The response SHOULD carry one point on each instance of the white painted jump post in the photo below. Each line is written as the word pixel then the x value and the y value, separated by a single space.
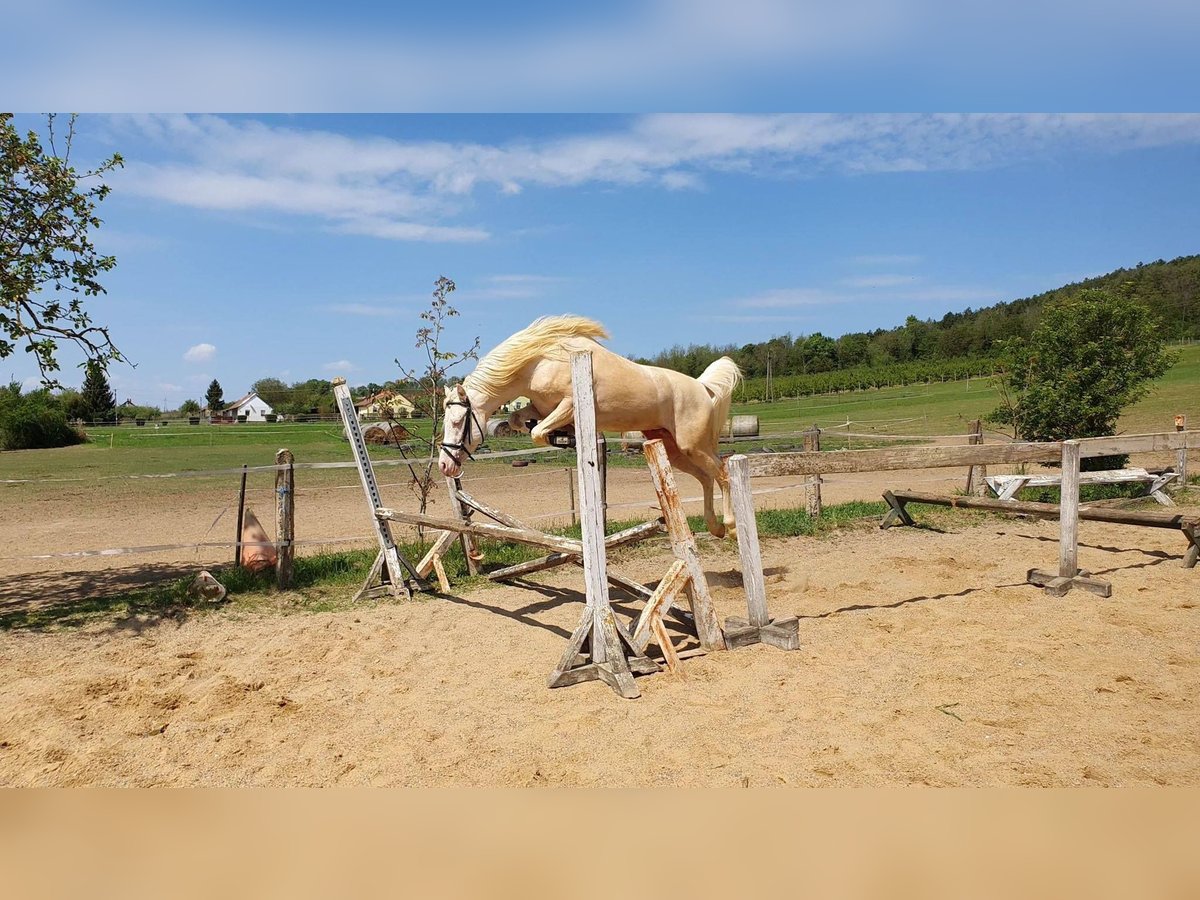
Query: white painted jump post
pixel 759 627
pixel 1069 574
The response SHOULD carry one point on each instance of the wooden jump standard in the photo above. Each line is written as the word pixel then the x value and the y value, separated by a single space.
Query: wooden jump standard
pixel 1068 512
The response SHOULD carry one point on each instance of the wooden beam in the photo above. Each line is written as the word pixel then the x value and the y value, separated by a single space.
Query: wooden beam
pixel 1142 517
pixel 893 458
pixel 484 529
pixel 285 519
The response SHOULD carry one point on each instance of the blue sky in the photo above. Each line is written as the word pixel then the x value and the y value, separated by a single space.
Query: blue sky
pixel 305 246
pixel 626 55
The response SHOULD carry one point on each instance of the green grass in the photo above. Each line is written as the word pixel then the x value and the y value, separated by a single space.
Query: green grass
pixel 327 581
pixel 935 408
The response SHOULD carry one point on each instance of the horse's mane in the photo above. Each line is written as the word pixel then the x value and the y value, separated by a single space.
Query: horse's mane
pixel 543 339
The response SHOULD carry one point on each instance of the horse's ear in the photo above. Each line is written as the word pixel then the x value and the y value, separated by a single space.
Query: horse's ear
pixel 462 392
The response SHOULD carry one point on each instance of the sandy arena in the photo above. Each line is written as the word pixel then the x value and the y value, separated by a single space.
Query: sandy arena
pixel 925 659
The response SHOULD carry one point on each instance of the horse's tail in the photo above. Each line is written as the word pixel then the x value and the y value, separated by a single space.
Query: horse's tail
pixel 720 379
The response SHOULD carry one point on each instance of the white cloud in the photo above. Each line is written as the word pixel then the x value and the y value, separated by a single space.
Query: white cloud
pixel 879 281
pixel 200 353
pixel 411 190
pixel 342 365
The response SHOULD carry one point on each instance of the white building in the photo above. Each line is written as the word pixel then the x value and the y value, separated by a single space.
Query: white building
pixel 252 406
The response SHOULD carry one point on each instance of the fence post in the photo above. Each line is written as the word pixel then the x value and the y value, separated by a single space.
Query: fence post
pixel 571 494
pixel 285 518
pixel 241 520
pixel 976 475
pixel 1181 455
pixel 812 488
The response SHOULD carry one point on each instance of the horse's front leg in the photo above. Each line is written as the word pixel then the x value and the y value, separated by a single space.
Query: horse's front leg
pixel 561 415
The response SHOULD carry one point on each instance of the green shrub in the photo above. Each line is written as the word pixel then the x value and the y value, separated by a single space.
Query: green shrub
pixel 33 421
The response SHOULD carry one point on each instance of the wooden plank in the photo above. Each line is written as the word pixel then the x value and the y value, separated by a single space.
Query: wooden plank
pixel 1181 455
pixel 891 458
pixel 619 539
pixel 753 580
pixel 662 598
pixel 491 512
pixel 440 546
pixel 440 571
pixel 483 529
pixel 1140 517
pixel 683 545
pixel 285 519
pixel 1138 443
pixel 241 521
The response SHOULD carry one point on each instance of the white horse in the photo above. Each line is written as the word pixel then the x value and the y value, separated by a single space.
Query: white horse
pixel 686 413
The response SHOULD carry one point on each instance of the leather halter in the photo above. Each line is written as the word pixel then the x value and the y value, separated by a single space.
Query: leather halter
pixel 465 437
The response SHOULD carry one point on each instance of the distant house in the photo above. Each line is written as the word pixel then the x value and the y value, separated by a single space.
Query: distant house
pixel 384 405
pixel 515 404
pixel 252 406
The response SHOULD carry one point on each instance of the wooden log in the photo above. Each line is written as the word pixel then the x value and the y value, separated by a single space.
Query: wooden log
pixel 285 519
pixel 683 545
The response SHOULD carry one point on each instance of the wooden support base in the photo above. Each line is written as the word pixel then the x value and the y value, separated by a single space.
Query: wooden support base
pixel 781 633
pixel 583 661
pixel 383 578
pixel 896 512
pixel 1058 585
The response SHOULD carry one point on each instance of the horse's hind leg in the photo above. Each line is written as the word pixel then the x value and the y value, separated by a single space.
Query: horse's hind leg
pixel 683 463
pixel 563 414
pixel 713 470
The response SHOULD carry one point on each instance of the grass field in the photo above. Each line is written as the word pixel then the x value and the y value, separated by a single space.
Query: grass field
pixel 916 409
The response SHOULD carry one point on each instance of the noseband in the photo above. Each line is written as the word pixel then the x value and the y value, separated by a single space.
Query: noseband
pixel 465 438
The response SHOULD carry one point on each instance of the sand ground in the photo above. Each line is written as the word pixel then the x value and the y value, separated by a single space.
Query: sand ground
pixel 924 659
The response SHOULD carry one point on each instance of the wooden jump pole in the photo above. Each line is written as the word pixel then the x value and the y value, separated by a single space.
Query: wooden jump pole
pixel 285 518
pixel 1069 574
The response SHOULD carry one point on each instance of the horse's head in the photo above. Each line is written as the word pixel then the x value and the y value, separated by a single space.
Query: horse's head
pixel 461 431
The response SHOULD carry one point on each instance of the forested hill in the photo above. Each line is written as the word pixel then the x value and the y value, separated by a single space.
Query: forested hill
pixel 1171 288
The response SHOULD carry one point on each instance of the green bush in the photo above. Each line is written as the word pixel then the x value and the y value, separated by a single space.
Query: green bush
pixel 33 421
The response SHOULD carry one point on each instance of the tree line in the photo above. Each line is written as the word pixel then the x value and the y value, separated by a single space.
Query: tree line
pixel 1170 288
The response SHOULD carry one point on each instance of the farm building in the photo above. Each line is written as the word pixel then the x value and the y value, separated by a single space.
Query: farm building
pixel 252 406
pixel 384 405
